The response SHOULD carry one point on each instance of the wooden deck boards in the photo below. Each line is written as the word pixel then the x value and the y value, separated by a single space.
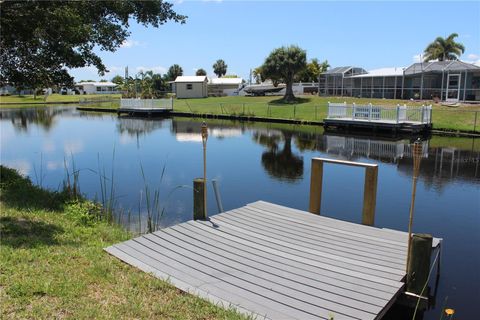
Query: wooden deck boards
pixel 275 262
pixel 412 126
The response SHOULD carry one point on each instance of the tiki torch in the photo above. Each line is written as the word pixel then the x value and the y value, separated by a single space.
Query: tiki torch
pixel 417 158
pixel 204 141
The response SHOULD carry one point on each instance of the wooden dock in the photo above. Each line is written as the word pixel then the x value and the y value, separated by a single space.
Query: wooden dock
pixel 400 118
pixel 275 262
pixel 145 107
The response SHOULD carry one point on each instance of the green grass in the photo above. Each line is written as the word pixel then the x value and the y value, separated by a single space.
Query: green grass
pixel 309 108
pixel 314 108
pixel 53 98
pixel 53 264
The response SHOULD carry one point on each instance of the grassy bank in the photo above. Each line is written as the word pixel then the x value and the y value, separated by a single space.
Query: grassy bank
pixel 53 264
pixel 461 118
pixel 8 101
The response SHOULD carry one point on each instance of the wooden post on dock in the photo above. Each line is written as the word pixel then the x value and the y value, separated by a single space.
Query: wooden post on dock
pixel 316 179
pixel 369 190
pixel 369 196
pixel 199 212
pixel 419 263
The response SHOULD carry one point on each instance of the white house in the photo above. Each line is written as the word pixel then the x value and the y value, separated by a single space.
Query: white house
pixel 97 88
pixel 191 87
pixel 224 86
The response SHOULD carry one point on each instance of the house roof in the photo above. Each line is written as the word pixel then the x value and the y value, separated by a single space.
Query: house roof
pixel 440 66
pixel 191 79
pixel 342 70
pixel 98 84
pixel 226 81
pixel 382 72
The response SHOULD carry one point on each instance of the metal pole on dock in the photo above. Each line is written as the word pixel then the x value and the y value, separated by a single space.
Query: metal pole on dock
pixel 204 141
pixel 217 196
pixel 417 157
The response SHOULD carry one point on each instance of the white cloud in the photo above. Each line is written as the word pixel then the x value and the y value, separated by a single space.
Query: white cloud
pixel 126 139
pixel 73 147
pixel 54 165
pixel 473 57
pixel 155 69
pixel 115 69
pixel 130 44
pixel 48 146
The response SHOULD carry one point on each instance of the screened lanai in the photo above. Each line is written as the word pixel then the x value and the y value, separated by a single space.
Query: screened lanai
pixel 337 81
pixel 443 80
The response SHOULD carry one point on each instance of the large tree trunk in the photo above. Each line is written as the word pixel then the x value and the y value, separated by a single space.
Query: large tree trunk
pixel 289 97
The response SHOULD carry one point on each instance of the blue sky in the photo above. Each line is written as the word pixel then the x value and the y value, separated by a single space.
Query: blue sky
pixel 366 34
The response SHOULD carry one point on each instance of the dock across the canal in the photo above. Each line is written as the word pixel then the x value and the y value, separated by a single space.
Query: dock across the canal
pixel 400 118
pixel 275 262
pixel 145 107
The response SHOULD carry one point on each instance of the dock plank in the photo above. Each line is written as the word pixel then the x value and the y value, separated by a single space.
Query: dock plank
pixel 261 264
pixel 317 255
pixel 334 247
pixel 310 272
pixel 274 262
pixel 315 236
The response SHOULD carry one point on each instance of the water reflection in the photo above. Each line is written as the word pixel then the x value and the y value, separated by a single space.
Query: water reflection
pixel 279 162
pixel 21 118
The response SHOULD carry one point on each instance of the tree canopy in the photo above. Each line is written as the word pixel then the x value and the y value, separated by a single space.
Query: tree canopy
pixel 284 64
pixel 146 84
pixel 313 70
pixel 41 40
pixel 201 72
pixel 220 68
pixel 173 72
pixel 118 80
pixel 444 49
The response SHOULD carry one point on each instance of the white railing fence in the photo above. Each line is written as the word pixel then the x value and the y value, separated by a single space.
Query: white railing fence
pixel 421 114
pixel 147 103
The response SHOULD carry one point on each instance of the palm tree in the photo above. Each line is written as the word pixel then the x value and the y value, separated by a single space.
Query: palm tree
pixel 444 49
pixel 201 72
pixel 173 72
pixel 219 68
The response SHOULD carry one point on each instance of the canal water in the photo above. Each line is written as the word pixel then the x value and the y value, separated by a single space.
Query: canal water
pixel 259 161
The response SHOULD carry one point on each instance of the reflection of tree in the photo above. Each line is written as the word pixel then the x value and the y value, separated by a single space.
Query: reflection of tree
pixel 135 127
pixel 22 118
pixel 280 164
pixel 306 141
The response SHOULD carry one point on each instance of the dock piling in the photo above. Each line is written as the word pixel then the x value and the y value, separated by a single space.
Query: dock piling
pixel 419 263
pixel 369 196
pixel 316 186
pixel 369 189
pixel 198 199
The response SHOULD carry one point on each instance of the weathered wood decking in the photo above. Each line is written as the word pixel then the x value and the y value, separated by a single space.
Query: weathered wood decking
pixel 276 262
